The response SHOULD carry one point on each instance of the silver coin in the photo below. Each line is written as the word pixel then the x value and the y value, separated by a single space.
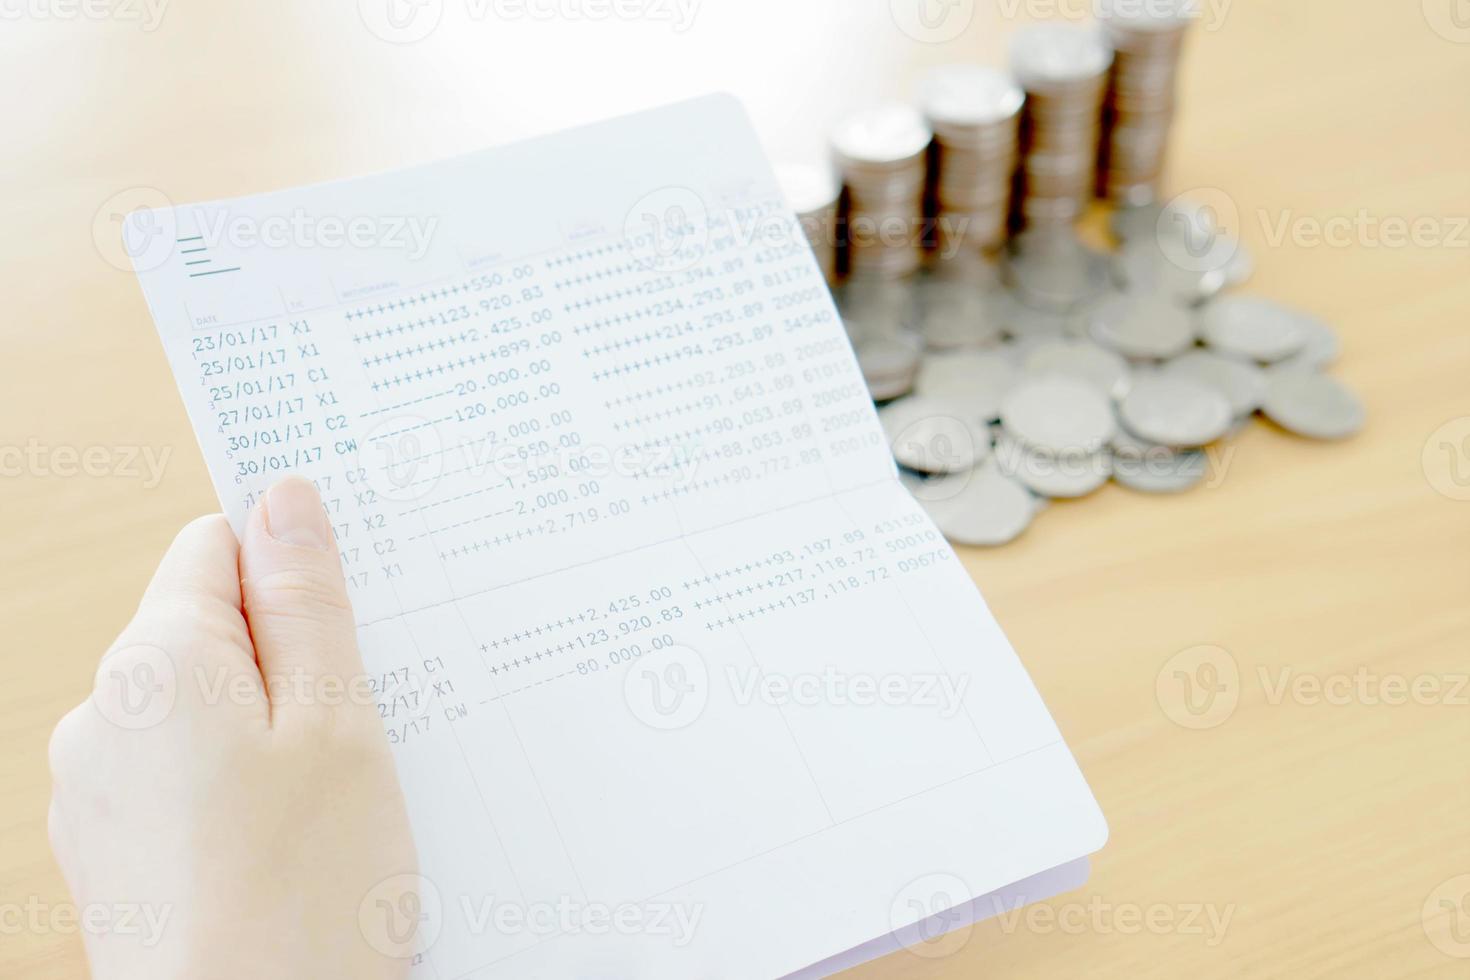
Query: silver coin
pixel 982 507
pixel 1146 266
pixel 1175 411
pixel 1051 269
pixel 1123 441
pixel 1249 326
pixel 887 389
pixel 1019 321
pixel 1321 348
pixel 976 382
pixel 1190 236
pixel 1084 360
pixel 957 310
pixel 965 324
pixel 871 306
pixel 887 134
pixel 1241 382
pixel 1142 325
pixel 1174 474
pixel 932 435
pixel 969 95
pixel 1150 468
pixel 889 364
pixel 1017 349
pixel 1055 414
pixel 808 188
pixel 1045 54
pixel 1155 16
pixel 1054 475
pixel 912 482
pixel 1313 405
pixel 885 357
pixel 1240 266
pixel 964 267
pixel 1135 223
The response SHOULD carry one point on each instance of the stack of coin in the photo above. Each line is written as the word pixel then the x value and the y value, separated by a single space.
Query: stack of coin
pixel 813 192
pixel 1050 269
pixel 1147 40
pixel 882 154
pixel 975 114
pixel 881 316
pixel 957 297
pixel 1044 374
pixel 1064 69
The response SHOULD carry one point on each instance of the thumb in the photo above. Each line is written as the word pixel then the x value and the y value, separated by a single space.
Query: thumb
pixel 295 597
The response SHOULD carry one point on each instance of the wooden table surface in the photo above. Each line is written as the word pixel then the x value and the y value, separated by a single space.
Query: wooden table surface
pixel 1296 833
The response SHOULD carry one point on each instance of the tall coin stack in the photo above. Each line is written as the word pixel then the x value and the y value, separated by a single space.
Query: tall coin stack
pixel 975 115
pixel 813 192
pixel 882 154
pixel 1147 40
pixel 1064 69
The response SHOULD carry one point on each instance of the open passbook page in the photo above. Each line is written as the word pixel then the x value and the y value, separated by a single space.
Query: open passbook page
pixel 680 680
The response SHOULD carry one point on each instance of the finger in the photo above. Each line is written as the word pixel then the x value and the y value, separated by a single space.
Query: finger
pixel 197 584
pixel 189 620
pixel 200 566
pixel 296 597
pixel 61 831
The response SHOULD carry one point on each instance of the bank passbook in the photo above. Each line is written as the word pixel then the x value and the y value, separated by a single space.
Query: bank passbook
pixel 680 680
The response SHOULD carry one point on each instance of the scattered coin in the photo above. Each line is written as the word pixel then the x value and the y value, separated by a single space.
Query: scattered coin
pixel 889 365
pixel 958 303
pixel 1055 414
pixel 982 507
pixel 1150 468
pixel 1174 473
pixel 1142 325
pixel 1181 246
pixel 1050 269
pixel 976 382
pixel 1103 369
pixel 1175 411
pixel 887 389
pixel 1146 266
pixel 1320 349
pixel 1018 349
pixel 1056 475
pixel 1021 322
pixel 912 482
pixel 932 435
pixel 1240 266
pixel 1312 405
pixel 1249 326
pixel 1240 381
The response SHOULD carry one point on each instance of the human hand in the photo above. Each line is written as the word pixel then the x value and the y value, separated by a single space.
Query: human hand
pixel 229 773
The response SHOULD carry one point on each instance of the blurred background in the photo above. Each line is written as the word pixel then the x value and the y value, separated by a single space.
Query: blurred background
pixel 1332 831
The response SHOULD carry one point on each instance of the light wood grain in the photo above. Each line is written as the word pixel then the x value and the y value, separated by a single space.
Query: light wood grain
pixel 1321 829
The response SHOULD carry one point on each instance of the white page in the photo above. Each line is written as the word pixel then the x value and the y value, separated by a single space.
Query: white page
pixel 931 937
pixel 658 630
